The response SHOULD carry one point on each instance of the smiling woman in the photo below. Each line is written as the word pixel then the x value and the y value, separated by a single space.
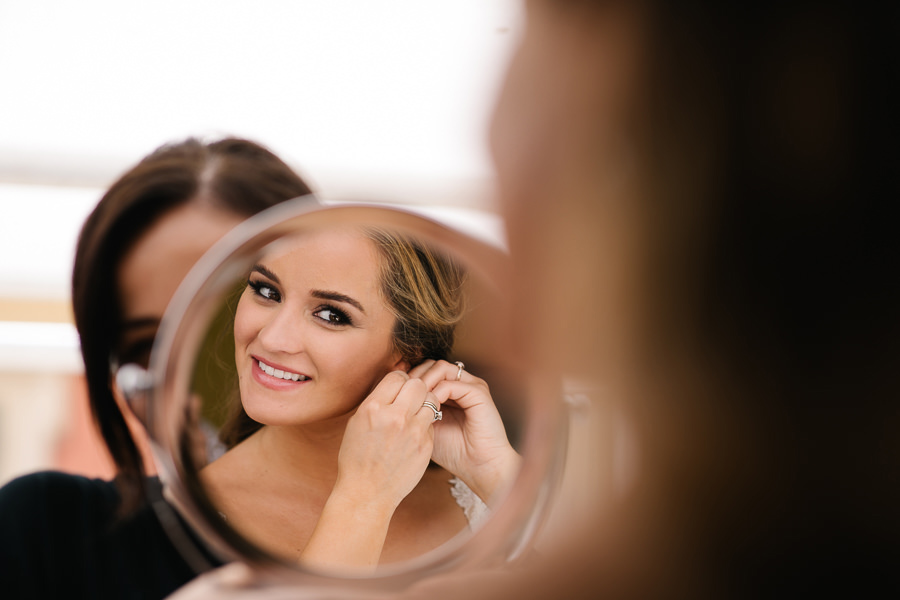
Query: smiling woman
pixel 341 335
pixel 341 340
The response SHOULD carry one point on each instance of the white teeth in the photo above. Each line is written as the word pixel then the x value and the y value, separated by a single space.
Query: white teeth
pixel 281 374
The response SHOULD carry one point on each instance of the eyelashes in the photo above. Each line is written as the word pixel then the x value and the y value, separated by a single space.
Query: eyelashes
pixel 264 290
pixel 327 313
pixel 335 316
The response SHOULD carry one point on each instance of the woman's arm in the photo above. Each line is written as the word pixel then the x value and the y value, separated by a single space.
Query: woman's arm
pixel 386 448
pixel 349 535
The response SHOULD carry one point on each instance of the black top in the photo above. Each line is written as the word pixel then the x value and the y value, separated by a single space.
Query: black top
pixel 60 537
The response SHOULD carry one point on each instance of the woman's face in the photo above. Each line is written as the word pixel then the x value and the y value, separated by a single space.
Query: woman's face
pixel 154 266
pixel 313 334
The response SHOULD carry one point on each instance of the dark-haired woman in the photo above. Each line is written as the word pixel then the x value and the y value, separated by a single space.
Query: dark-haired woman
pixel 67 536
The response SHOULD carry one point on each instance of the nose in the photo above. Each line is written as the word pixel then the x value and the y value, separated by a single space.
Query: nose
pixel 284 331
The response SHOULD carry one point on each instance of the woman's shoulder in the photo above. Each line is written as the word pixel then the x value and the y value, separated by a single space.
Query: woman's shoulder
pixel 48 522
pixel 49 491
pixel 53 480
pixel 58 507
pixel 61 535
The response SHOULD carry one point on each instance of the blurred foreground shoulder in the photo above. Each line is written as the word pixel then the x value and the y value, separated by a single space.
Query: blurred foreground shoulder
pixel 49 522
pixel 49 490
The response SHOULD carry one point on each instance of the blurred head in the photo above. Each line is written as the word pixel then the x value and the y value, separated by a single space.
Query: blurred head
pixel 563 143
pixel 702 187
pixel 326 315
pixel 146 232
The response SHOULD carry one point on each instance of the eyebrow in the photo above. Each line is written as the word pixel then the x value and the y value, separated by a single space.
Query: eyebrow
pixel 262 270
pixel 337 297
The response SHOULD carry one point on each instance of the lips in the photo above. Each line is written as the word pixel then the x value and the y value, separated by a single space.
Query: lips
pixel 280 373
pixel 275 376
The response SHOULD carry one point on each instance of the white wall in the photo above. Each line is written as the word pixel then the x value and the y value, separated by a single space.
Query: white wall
pixel 383 100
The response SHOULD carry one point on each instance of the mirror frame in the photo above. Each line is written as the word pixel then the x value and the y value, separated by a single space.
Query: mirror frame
pixel 504 537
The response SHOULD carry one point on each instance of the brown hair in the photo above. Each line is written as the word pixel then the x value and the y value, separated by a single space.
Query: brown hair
pixel 423 290
pixel 238 175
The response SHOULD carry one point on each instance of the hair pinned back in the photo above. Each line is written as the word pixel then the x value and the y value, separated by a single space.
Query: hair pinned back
pixel 423 289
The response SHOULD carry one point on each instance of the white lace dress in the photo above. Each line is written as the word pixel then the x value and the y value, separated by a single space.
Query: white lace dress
pixel 473 507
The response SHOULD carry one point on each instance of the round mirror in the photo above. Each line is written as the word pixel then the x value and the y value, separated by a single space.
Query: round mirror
pixel 211 393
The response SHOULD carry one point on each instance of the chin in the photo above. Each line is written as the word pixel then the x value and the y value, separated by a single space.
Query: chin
pixel 274 414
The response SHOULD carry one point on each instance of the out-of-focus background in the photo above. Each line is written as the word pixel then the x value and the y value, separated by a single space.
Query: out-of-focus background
pixel 384 101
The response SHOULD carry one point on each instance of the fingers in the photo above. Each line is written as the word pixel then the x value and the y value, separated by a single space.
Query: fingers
pixel 419 403
pixel 408 395
pixel 431 381
pixel 388 388
pixel 411 396
pixel 421 368
pixel 430 411
pixel 465 395
pixel 433 372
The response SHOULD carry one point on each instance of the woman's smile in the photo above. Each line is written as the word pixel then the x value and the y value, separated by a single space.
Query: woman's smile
pixel 275 376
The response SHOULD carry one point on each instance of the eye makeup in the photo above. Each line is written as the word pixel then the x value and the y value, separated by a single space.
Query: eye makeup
pixel 334 316
pixel 264 290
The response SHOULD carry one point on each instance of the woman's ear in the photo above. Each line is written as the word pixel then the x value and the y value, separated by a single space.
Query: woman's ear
pixel 401 364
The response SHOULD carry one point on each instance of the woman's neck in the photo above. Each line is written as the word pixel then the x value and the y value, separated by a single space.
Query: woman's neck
pixel 306 454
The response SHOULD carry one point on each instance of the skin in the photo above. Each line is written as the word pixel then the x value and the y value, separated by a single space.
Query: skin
pixel 343 347
pixel 562 144
pixel 337 477
pixel 564 136
pixel 470 441
pixel 155 265
pixel 148 275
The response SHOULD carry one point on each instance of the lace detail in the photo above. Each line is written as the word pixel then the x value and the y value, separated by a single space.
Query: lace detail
pixel 474 507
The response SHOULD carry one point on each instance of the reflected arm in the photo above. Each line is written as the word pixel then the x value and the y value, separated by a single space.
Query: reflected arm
pixel 488 479
pixel 346 517
pixel 383 455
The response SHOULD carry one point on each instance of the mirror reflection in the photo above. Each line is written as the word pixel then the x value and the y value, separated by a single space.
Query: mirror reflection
pixel 350 405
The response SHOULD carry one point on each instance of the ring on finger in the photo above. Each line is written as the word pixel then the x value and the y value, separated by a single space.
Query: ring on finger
pixel 438 414
pixel 461 366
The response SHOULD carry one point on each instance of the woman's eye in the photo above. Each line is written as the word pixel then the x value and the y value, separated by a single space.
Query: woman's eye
pixel 137 352
pixel 264 291
pixel 333 316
